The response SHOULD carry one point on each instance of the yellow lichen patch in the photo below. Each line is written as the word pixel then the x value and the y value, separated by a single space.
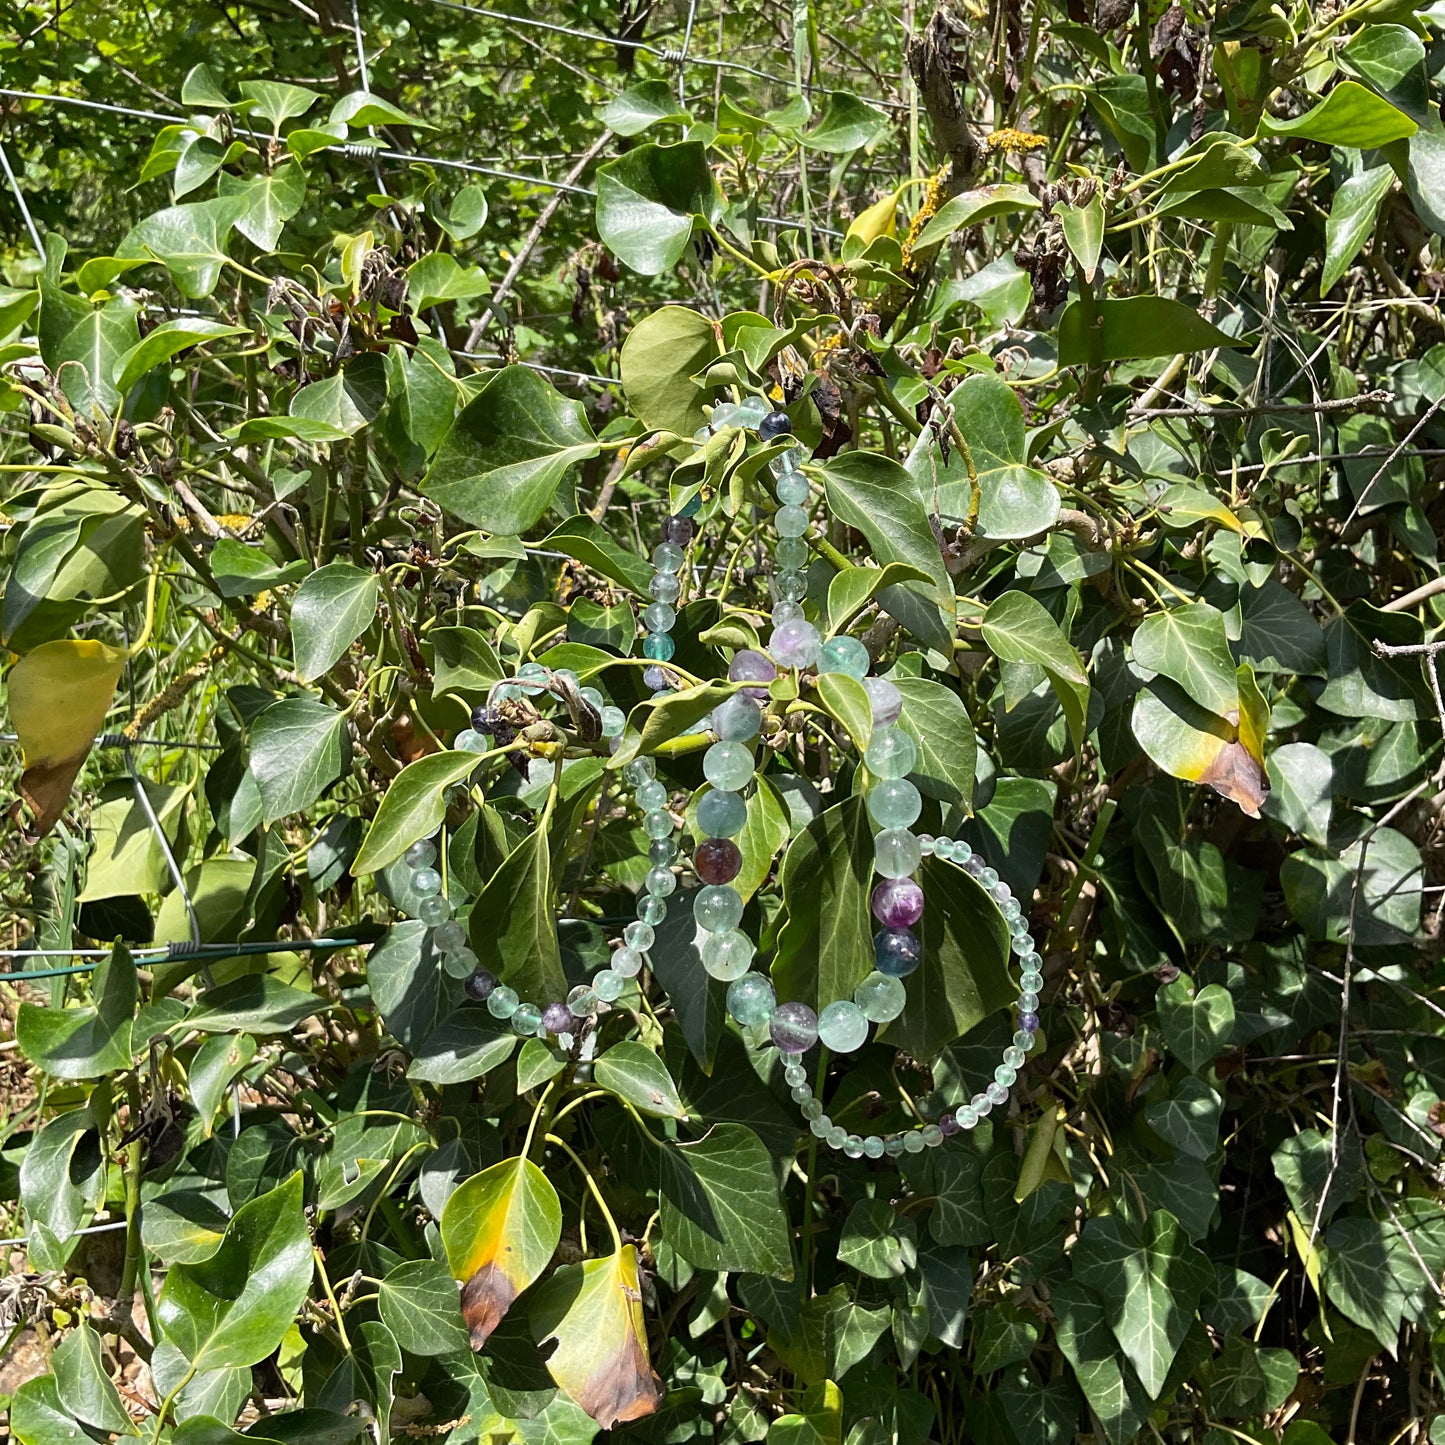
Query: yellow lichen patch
pixel 1010 139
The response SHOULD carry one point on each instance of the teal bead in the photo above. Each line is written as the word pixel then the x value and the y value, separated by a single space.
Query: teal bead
pixel 721 813
pixel 727 956
pixel 471 741
pixel 659 647
pixel 659 616
pixel 608 984
pixel 894 803
pixel 801 1094
pixel 943 848
pixel 820 1126
pixel 433 910
pixel 728 766
pixel 896 853
pixel 661 882
pixel 422 854
pixel 893 1146
pixel 665 587
pixel 737 720
pixel 651 910
pixel 873 1146
pixel 592 695
pixel 792 489
pixel 846 655
pixel 812 1109
pixel 1021 944
pixel 996 1093
pixel 639 771
pixel 751 1000
pixel 426 881
pixel 1023 1041
pixel 931 1135
pixel 650 795
pixel 461 964
pixel 795 1074
pixel 1005 1074
pixel 582 1001
pixel 913 1142
pixel 1018 927
pixel 792 553
pixel 668 557
pixel 1028 1001
pixel 843 1027
pixel 790 521
pixel 853 1147
pixel 613 721
pixel 502 1002
pixel 891 753
pixel 717 908
pixel 881 997
pixel 526 1018
pixel 532 677
pixel 988 877
pixel 967 1116
pixel 1014 1057
pixel 657 823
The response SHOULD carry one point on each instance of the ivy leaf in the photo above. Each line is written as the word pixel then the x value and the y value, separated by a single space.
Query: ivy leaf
pixel 964 973
pixel 1197 1026
pixel 853 589
pixel 652 723
pixel 169 338
pixel 1188 1119
pixel 1361 683
pixel 58 695
pixel 62 1183
pixel 463 660
pixel 342 404
pixel 512 922
pixel 255 1003
pixel 633 1072
pixel 332 608
pixel 438 278
pixel 266 202
pixel 1136 328
pixel 1084 233
pixel 936 719
pixel 845 699
pixel 235 1307
pixel 188 240
pixel 819 1422
pixel 825 947
pixel 508 452
pixel 973 208
pixel 500 1229
pixel 1016 499
pixel 661 355
pixel 87 1042
pixel 1188 645
pixel 1107 1380
pixel 418 1304
pixel 641 106
pixel 241 570
pixel 646 201
pixel 720 1205
pixel 276 100
pixel 593 546
pixel 1352 217
pixel 84 1386
pixel 412 809
pixel 593 1311
pixel 1351 116
pixel 1019 629
pixel 848 124
pixel 298 748
pixel 1151 1281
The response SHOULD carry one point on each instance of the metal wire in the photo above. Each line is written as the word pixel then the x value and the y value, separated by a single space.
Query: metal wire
pixel 20 198
pixel 171 952
pixel 74 1233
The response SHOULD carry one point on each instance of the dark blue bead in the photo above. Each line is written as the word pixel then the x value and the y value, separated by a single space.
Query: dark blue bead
pixel 482 719
pixel 775 424
pixel 1029 1023
pixel 679 530
pixel 896 951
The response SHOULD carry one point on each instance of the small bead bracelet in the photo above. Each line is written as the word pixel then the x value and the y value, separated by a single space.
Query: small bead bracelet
pixel 793 1028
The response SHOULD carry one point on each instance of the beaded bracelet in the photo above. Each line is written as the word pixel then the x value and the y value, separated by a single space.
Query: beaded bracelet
pixel 894 804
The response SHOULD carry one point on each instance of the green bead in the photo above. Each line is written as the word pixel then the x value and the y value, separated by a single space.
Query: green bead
pixel 659 647
pixel 751 1000
pixel 896 853
pixel 792 490
pixel 881 997
pixel 894 803
pixel 913 1142
pixel 525 1018
pixel 846 655
pixel 891 753
pixel 812 1109
pixel 931 1135
pixel 728 766
pixel 502 1002
pixel 873 1146
pixel 843 1027
pixel 721 814
pixel 717 908
pixel 607 984
pixel 650 909
pixel 727 956
pixel 836 1137
pixel 613 721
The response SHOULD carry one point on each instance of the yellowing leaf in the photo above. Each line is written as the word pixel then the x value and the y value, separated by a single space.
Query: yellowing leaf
pixel 500 1229
pixel 594 1313
pixel 58 696
pixel 880 219
pixel 1046 1156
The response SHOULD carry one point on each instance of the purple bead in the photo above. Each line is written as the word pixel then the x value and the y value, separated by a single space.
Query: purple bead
pixel 793 1028
pixel 479 985
pixel 898 903
pixel 886 700
pixel 950 1125
pixel 751 666
pixel 795 643
pixel 678 530
pixel 1029 1023
pixel 717 860
pixel 775 424
pixel 557 1019
pixel 896 951
pixel 659 679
